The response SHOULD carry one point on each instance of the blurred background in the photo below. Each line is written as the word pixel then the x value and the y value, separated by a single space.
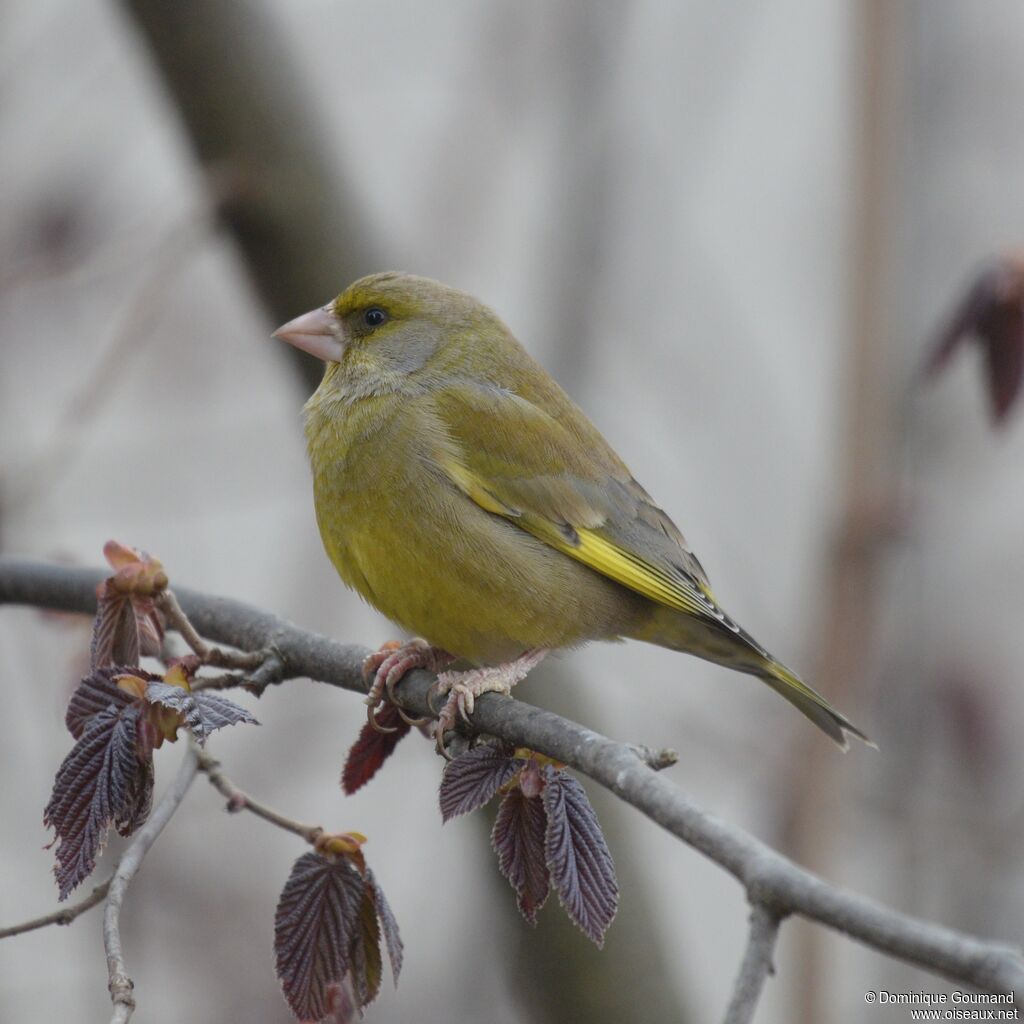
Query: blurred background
pixel 729 231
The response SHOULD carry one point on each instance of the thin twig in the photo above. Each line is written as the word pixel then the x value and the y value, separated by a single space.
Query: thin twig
pixel 766 876
pixel 209 654
pixel 238 800
pixel 270 671
pixel 63 916
pixel 119 983
pixel 756 965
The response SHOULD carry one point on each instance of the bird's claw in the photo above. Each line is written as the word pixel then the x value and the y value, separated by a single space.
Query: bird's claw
pixel 387 666
pixel 462 689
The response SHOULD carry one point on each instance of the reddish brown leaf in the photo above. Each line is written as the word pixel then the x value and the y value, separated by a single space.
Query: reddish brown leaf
pixel 473 778
pixel 992 314
pixel 518 840
pixel 101 782
pixel 315 929
pixel 127 626
pixel 115 635
pixel 372 748
pixel 577 856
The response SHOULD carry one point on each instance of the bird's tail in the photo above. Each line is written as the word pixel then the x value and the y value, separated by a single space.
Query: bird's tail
pixel 721 640
pixel 806 699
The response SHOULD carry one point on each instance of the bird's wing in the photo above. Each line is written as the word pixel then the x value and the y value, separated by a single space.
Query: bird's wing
pixel 554 476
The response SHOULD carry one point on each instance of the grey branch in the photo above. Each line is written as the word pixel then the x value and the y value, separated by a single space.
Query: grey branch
pixel 769 879
pixel 756 966
pixel 63 916
pixel 120 984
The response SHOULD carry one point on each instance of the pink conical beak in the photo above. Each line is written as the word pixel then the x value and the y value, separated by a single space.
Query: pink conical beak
pixel 318 332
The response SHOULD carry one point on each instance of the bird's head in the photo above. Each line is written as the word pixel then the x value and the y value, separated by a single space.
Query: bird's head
pixel 387 326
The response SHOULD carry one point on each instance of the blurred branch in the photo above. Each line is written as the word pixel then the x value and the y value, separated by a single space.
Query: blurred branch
pixel 867 504
pixel 242 106
pixel 63 916
pixel 120 984
pixel 125 342
pixel 771 881
pixel 756 966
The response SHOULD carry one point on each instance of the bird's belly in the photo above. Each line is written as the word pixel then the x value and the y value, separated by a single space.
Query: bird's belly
pixel 468 581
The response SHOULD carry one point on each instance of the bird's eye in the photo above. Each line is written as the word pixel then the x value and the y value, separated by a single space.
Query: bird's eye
pixel 374 316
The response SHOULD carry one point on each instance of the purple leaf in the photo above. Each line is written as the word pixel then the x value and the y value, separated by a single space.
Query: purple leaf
pixel 115 636
pixel 372 748
pixel 127 626
pixel 96 693
pixel 138 801
pixel 203 712
pixel 315 928
pixel 341 1007
pixel 518 840
pixel 389 925
pixel 473 778
pixel 577 856
pixel 101 782
pixel 366 967
pixel 215 712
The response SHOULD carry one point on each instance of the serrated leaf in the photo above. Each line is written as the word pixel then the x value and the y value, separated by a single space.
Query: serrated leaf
pixel 341 1007
pixel 372 748
pixel 101 782
pixel 150 625
pixel 518 840
pixel 216 712
pixel 315 928
pixel 389 925
pixel 96 693
pixel 366 961
pixel 127 626
pixel 203 713
pixel 577 856
pixel 138 797
pixel 115 636
pixel 473 778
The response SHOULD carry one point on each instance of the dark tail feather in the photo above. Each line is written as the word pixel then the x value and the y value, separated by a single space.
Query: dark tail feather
pixel 806 699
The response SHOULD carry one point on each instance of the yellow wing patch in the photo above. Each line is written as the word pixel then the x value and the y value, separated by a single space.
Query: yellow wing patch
pixel 473 488
pixel 592 549
pixel 624 567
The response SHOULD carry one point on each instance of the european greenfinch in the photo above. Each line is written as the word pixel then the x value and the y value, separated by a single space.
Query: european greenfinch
pixel 463 494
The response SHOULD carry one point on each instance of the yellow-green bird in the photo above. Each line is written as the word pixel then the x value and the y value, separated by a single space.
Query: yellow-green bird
pixel 463 494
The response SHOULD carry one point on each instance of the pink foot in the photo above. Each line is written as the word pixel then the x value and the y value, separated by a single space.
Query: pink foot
pixel 462 689
pixel 388 665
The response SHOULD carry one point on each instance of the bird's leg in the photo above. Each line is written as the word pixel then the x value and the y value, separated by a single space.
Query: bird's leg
pixel 387 666
pixel 462 689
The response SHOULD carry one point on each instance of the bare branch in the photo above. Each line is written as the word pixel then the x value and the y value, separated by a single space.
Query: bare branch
pixel 299 224
pixel 756 965
pixel 63 916
pixel 207 653
pixel 119 983
pixel 768 878
pixel 238 800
